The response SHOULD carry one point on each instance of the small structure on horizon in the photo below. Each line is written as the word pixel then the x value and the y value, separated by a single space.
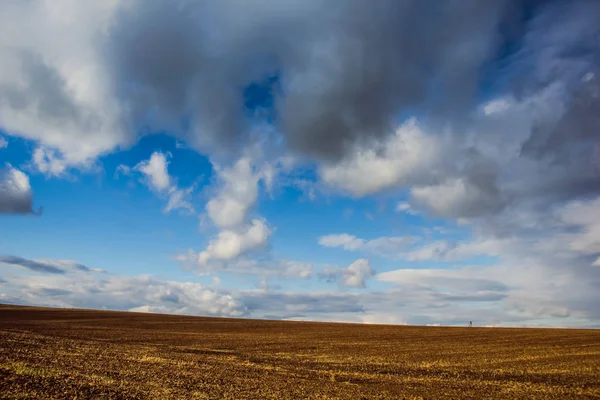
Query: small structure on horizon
pixel 470 324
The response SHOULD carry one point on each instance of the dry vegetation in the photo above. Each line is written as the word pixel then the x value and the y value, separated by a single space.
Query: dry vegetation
pixel 49 353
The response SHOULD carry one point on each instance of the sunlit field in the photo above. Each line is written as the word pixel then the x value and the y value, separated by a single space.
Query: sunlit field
pixel 65 353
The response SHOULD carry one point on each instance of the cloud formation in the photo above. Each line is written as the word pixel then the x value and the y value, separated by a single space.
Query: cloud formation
pixel 196 58
pixel 237 191
pixel 155 170
pixel 355 275
pixel 385 245
pixel 46 266
pixel 138 293
pixel 484 112
pixel 15 192
pixel 230 244
pixel 157 178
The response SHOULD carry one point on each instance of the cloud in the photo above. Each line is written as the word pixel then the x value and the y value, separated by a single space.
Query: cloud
pixel 122 170
pixel 513 295
pixel 459 198
pixel 407 157
pixel 262 267
pixel 178 199
pixel 348 242
pixel 385 245
pixel 89 95
pixel 48 162
pixel 532 145
pixel 584 217
pixel 59 95
pixel 334 93
pixel 46 266
pixel 355 275
pixel 15 192
pixel 157 178
pixel 295 269
pixel 382 98
pixel 237 192
pixel 155 170
pixel 137 293
pixel 405 208
pixel 3 143
pixel 230 244
pixel 465 280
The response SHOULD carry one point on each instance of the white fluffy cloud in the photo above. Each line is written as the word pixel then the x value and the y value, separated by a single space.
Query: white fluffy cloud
pixel 230 244
pixel 407 157
pixel 3 143
pixel 54 83
pixel 237 194
pixel 155 170
pixel 15 192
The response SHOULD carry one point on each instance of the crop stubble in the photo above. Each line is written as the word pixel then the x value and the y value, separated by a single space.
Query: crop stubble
pixel 65 353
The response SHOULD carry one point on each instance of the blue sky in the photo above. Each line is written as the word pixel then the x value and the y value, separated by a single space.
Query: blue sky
pixel 374 165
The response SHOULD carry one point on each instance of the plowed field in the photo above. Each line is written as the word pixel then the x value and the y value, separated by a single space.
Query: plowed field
pixel 84 354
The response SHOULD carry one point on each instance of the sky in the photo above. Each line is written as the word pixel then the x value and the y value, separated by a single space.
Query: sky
pixel 395 161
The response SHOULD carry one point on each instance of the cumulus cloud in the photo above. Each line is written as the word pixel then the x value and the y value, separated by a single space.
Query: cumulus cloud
pixel 157 178
pixel 230 244
pixel 407 157
pixel 15 192
pixel 58 94
pixel 355 275
pixel 520 170
pixel 329 95
pixel 155 170
pixel 3 143
pixel 237 194
pixel 236 191
pixel 334 92
pixel 459 197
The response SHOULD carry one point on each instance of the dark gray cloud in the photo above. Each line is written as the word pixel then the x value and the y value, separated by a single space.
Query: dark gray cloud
pixel 45 90
pixel 31 265
pixel 337 73
pixel 46 266
pixel 344 70
pixel 15 192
